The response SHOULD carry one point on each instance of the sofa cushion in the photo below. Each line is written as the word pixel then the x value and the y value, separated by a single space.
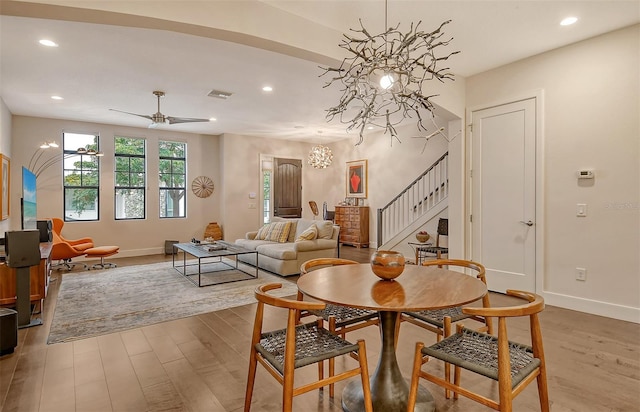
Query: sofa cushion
pixel 252 244
pixel 325 229
pixel 309 234
pixel 275 231
pixel 282 251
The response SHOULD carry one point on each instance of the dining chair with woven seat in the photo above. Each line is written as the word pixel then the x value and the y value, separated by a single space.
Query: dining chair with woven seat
pixel 513 365
pixel 437 250
pixel 440 321
pixel 283 351
pixel 340 319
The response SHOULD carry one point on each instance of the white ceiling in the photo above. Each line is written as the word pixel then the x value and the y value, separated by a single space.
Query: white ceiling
pixel 99 66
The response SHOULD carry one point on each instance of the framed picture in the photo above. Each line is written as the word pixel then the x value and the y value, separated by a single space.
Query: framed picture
pixel 357 179
pixel 5 178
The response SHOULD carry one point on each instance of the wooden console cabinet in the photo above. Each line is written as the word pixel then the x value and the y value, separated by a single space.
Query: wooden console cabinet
pixel 39 279
pixel 354 225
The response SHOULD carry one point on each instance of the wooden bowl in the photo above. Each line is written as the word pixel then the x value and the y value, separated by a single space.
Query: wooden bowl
pixel 422 238
pixel 387 264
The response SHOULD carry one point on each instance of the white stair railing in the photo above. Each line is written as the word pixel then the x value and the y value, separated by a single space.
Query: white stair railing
pixel 424 193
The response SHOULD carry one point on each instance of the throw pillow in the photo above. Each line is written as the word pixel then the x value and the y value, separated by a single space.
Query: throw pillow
pixel 309 234
pixel 263 232
pixel 325 229
pixel 279 232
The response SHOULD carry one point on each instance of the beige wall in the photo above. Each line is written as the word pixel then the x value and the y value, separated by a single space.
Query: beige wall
pixel 137 237
pixel 591 120
pixel 5 148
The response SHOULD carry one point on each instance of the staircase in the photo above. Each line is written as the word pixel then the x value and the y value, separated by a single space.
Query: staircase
pixel 419 202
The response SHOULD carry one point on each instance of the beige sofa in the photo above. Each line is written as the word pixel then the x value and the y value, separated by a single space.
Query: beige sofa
pixel 284 257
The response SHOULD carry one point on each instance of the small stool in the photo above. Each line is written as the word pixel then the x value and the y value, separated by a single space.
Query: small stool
pixel 102 252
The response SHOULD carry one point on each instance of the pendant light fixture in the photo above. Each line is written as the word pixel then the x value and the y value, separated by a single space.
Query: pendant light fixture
pixel 384 78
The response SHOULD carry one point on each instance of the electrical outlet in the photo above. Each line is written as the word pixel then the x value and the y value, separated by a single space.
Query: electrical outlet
pixel 581 274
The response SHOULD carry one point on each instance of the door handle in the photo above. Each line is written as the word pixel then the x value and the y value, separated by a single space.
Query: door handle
pixel 528 222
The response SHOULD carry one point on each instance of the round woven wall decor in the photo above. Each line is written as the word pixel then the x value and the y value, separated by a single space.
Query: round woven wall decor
pixel 202 186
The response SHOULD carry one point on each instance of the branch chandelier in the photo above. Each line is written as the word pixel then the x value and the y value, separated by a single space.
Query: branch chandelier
pixel 37 168
pixel 320 156
pixel 383 80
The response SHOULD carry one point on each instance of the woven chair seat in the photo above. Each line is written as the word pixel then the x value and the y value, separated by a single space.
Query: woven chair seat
pixel 478 352
pixel 436 316
pixel 313 344
pixel 435 249
pixel 345 315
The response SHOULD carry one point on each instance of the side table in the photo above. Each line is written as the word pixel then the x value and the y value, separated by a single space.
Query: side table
pixel 420 249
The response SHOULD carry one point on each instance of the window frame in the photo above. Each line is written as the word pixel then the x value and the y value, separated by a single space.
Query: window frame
pixel 82 172
pixel 163 204
pixel 117 187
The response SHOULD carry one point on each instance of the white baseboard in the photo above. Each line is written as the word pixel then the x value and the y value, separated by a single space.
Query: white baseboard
pixel 594 307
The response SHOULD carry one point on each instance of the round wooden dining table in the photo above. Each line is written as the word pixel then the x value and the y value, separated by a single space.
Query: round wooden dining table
pixel 417 288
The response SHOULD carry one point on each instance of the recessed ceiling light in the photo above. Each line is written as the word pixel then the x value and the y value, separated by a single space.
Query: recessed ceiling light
pixel 48 43
pixel 57 98
pixel 568 21
pixel 213 119
pixel 267 89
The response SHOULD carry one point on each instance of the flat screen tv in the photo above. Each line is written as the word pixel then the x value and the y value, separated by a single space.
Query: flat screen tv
pixel 29 204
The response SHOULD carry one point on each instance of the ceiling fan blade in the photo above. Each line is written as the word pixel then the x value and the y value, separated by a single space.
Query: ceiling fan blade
pixel 173 120
pixel 135 114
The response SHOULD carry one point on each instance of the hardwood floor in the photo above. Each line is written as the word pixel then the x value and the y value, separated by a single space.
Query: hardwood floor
pixel 200 364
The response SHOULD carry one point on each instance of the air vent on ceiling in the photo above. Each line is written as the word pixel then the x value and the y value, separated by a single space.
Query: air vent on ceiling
pixel 219 94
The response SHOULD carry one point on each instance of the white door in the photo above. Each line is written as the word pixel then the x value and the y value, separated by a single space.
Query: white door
pixel 503 184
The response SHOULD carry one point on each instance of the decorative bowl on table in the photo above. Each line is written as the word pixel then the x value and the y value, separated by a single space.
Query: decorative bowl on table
pixel 387 264
pixel 423 236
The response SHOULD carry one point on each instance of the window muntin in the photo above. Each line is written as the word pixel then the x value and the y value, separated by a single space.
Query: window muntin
pixel 130 178
pixel 81 177
pixel 172 176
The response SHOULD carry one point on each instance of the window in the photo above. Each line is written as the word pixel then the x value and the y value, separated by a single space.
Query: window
pixel 267 165
pixel 172 176
pixel 130 178
pixel 81 171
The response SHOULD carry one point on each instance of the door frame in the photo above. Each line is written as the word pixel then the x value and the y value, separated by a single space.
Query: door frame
pixel 540 191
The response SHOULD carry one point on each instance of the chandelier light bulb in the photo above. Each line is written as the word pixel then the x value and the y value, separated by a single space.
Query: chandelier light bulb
pixel 386 81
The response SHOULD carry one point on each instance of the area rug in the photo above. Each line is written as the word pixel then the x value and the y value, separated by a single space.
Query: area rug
pixel 95 303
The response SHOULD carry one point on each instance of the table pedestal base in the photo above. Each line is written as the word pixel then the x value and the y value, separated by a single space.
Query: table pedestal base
pixel 353 400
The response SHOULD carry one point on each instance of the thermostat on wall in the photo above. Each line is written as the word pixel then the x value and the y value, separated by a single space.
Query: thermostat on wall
pixel 585 174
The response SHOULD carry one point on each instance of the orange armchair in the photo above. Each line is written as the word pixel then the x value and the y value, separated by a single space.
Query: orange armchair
pixel 63 250
pixel 81 244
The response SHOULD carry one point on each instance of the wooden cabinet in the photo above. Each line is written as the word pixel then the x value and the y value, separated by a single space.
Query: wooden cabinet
pixel 354 225
pixel 39 279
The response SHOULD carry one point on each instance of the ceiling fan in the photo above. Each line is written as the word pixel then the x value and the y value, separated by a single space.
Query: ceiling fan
pixel 159 118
